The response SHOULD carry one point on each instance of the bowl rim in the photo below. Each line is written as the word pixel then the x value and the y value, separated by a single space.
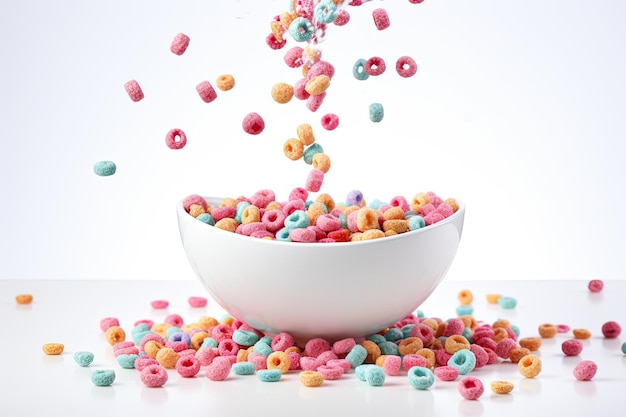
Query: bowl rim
pixel 181 212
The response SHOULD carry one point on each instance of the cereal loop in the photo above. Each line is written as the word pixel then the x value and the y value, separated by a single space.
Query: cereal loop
pixel 529 366
pixel 470 388
pixel 176 139
pixel 282 93
pixel 206 91
pixel 225 82
pixel 317 85
pixel 305 134
pixel 253 123
pixel 134 91
pixel 115 334
pixel 406 66
pixel 531 343
pixel 311 378
pixel 374 66
pixel 501 387
pixel 581 333
pixel 585 370
pixel 53 348
pixel 279 360
pixel 465 297
pixel 293 149
pixel 24 298
pixel 179 44
pixel 547 330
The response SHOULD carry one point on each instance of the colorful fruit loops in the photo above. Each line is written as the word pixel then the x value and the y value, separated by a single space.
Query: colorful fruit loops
pixel 321 220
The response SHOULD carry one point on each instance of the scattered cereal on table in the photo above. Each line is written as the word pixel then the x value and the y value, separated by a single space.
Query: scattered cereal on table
pixel 24 298
pixel 595 285
pixel 103 377
pixel 585 370
pixel 104 168
pixel 53 348
pixel 611 329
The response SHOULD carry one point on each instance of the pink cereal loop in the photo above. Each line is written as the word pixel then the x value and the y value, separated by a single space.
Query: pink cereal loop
pixel 134 91
pixel 406 66
pixel 282 341
pixel 179 44
pixel 176 139
pixel 206 91
pixel 381 18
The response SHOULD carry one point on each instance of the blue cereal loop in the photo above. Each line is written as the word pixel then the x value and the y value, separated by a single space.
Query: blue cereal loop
pixel 358 70
pixel 209 342
pixel 357 355
pixel 127 361
pixel 241 206
pixel 206 218
pixel 464 310
pixel 269 375
pixel 311 151
pixel 377 112
pixel 83 358
pixel 266 339
pixel 297 219
pixel 344 220
pixel 262 348
pixel 507 302
pixel 375 376
pixel 359 371
pixel 243 368
pixel 420 314
pixel 516 330
pixel 409 214
pixel 103 377
pixel 393 334
pixel 104 168
pixel 283 235
pixel 245 337
pixel 463 360
pixel 325 12
pixel 300 29
pixel 624 348
pixel 388 348
pixel 406 330
pixel 467 334
pixel 421 378
pixel 376 338
pixel 416 222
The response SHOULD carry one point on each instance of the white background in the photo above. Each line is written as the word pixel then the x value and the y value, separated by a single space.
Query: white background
pixel 517 109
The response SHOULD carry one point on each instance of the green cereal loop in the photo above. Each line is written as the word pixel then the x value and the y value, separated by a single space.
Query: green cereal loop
pixel 463 360
pixel 393 334
pixel 377 112
pixel 420 377
pixel 375 376
pixel 83 358
pixel 359 371
pixel 312 150
pixel 209 342
pixel 300 29
pixel 127 361
pixel 104 168
pixel 262 348
pixel 464 310
pixel 269 375
pixel 357 355
pixel 103 377
pixel 406 330
pixel 624 348
pixel 245 337
pixel 388 348
pixel 416 222
pixel 358 70
pixel 206 218
pixel 507 302
pixel 243 368
pixel 376 338
pixel 297 219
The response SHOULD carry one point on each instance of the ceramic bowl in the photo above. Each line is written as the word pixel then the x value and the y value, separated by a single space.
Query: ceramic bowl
pixel 329 290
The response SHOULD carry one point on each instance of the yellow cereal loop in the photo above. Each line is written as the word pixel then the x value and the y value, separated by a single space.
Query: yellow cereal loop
pixel 501 387
pixel 373 351
pixel 311 378
pixel 394 213
pixel 372 234
pixel 273 205
pixel 390 233
pixel 503 323
pixel 167 357
pixel 305 134
pixel 529 366
pixel 295 349
pixel 242 354
pixel 325 199
pixel 465 297
pixel 227 223
pixel 227 320
pixel 53 348
pixel 225 82
pixel 161 328
pixel 278 30
pixel 381 360
pixel 250 214
pixel 321 161
pixel 197 338
pixel 293 149
pixel 151 348
pixel 499 334
pixel 469 321
pixel 115 334
pixel 317 85
pixel 452 203
pixel 282 93
pixel 279 360
pixel 432 323
pixel 397 226
pixel 493 298
pixel 429 355
pixel 24 298
pixel 367 219
pixel 196 209
pixel 206 322
pixel 410 345
pixel 456 342
pixel 314 211
pixel 286 18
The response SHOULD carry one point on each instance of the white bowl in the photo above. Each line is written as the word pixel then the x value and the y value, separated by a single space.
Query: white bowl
pixel 329 290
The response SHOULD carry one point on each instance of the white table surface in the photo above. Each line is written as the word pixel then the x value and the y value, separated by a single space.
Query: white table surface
pixel 69 312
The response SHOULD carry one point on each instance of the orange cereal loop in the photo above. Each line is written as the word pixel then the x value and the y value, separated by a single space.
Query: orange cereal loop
pixel 373 351
pixel 317 85
pixel 286 18
pixel 279 360
pixel 372 234
pixel 381 360
pixel 499 334
pixel 250 214
pixel 167 357
pixel 115 334
pixel 152 347
pixel 410 345
pixel 454 205
pixel 188 327
pixel 435 344
pixel 197 338
pixel 295 349
pixel 242 355
pixel 367 219
pixel 311 378
pixel 455 343
pixel 547 330
pixel 206 322
pixel 229 320
pixel 226 82
pixel 196 209
pixel 273 205
pixel 501 387
pixel 394 213
pixel 293 149
pixel 314 211
pixel 581 333
pixel 531 343
pixel 397 226
pixel 160 328
pixel 517 353
pixel 278 30
pixel 356 237
pixel 529 366
pixel 53 348
pixel 305 134
pixel 227 223
pixel 311 55
pixel 432 323
pixel 419 200
pixel 441 328
pixel 465 297
pixel 24 298
pixel 282 93
pixel 469 321
pixel 390 233
pixel 429 355
pixel 348 210
pixel 325 199
pixel 503 323
pixel 228 201
pixel 321 161
pixel 493 298
pixel 305 70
